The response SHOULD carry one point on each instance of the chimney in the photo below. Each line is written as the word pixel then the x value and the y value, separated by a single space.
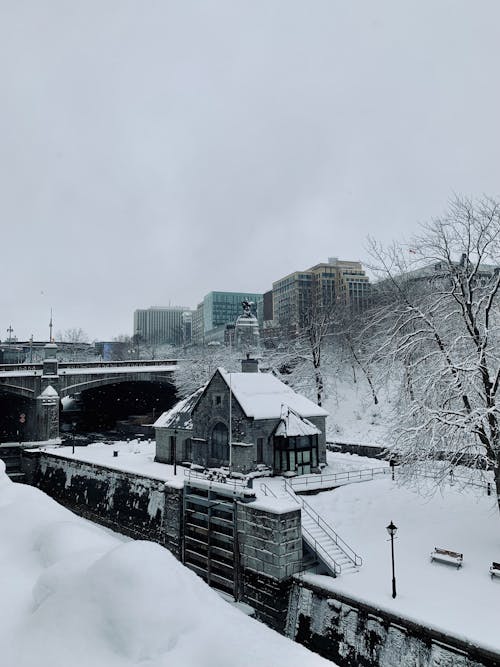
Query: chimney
pixel 249 365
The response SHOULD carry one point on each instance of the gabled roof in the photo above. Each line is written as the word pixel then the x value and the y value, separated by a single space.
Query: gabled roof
pixel 49 391
pixel 180 415
pixel 292 424
pixel 262 395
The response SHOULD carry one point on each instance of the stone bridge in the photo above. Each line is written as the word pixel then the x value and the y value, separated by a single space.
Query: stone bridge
pixel 42 385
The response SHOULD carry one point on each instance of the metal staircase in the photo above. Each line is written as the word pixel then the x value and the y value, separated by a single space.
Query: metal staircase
pixel 328 547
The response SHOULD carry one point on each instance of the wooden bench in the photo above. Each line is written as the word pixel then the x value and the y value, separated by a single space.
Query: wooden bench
pixel 446 556
pixel 495 570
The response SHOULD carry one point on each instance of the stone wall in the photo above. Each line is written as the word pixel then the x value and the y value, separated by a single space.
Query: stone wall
pixel 207 413
pixel 131 504
pixel 163 444
pixel 371 451
pixel 270 546
pixel 270 542
pixel 354 634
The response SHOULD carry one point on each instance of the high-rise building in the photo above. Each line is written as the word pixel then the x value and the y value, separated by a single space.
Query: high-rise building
pixel 221 308
pixel 322 286
pixel 160 325
pixel 197 327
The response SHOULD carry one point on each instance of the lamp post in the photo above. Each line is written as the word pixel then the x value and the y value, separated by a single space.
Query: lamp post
pixel 391 529
pixel 73 427
pixel 174 452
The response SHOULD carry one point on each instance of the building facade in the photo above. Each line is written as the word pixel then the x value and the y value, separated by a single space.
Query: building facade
pixel 268 425
pixel 336 282
pixel 220 308
pixel 160 325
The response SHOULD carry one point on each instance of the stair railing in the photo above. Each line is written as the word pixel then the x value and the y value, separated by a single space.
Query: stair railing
pixel 321 553
pixel 340 543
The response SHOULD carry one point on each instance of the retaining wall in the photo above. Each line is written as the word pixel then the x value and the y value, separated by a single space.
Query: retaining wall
pixel 132 504
pixel 354 634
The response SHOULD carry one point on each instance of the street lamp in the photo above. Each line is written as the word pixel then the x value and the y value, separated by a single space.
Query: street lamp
pixel 174 452
pixel 73 427
pixel 391 529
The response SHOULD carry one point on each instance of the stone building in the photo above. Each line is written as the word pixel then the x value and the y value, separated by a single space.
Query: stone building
pixel 243 420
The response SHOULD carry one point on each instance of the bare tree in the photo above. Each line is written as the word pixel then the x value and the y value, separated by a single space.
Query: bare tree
pixel 436 322
pixel 350 334
pixel 72 335
pixel 298 358
pixel 196 367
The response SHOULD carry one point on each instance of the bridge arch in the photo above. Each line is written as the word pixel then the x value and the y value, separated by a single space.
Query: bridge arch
pixel 16 390
pixel 96 382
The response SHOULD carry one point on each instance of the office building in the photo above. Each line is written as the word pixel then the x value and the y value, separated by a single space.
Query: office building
pixel 337 282
pixel 161 325
pixel 221 310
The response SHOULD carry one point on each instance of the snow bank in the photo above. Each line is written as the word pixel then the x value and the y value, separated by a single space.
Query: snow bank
pixel 464 602
pixel 79 595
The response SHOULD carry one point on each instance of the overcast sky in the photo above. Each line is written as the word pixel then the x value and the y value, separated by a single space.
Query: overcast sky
pixel 153 151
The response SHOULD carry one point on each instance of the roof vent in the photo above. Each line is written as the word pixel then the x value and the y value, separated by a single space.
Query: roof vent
pixel 249 365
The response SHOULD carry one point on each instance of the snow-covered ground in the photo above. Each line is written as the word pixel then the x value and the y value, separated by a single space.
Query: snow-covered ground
pixel 138 456
pixel 463 601
pixel 353 415
pixel 134 456
pixel 75 594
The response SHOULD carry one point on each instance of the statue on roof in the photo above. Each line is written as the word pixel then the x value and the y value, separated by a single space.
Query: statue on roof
pixel 247 308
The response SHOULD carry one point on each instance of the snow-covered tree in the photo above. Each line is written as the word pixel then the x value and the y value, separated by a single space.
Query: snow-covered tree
pixel 299 359
pixel 197 365
pixel 436 322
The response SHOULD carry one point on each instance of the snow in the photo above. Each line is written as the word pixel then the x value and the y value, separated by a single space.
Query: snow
pixel 262 395
pixel 354 417
pixel 49 391
pixel 180 415
pixel 464 602
pixel 79 595
pixel 134 456
pixel 292 424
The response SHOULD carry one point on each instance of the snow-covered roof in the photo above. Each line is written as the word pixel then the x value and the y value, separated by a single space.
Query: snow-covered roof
pixel 292 424
pixel 49 391
pixel 262 395
pixel 180 415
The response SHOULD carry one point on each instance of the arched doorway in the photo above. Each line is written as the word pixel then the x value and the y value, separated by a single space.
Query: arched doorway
pixel 220 442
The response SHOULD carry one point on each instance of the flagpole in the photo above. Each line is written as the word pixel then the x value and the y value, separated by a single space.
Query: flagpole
pixel 230 424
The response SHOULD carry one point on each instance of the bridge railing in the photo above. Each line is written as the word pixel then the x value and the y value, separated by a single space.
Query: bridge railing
pixel 5 368
pixel 110 364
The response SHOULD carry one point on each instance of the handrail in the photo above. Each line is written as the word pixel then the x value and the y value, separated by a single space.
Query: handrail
pixel 304 481
pixel 341 544
pixel 265 490
pixel 336 567
pixel 211 477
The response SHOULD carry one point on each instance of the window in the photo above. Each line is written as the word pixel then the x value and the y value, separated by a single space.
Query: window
pixel 173 448
pixel 297 454
pixel 260 450
pixel 187 449
pixel 217 399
